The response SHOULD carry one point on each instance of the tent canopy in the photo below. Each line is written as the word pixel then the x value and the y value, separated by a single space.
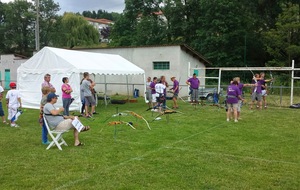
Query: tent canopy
pixel 61 63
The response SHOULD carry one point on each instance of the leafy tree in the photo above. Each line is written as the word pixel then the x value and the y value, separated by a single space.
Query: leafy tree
pixel 19 27
pixel 48 22
pixel 77 31
pixel 283 42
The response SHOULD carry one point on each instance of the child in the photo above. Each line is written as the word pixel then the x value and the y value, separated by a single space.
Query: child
pixel 45 91
pixel 1 107
pixel 13 101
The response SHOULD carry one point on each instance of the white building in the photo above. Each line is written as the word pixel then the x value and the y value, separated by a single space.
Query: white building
pixel 8 68
pixel 100 24
pixel 167 60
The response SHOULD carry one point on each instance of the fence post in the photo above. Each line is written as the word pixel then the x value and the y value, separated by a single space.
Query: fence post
pixel 281 95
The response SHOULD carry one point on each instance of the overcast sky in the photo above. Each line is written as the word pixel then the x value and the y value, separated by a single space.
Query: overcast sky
pixel 87 5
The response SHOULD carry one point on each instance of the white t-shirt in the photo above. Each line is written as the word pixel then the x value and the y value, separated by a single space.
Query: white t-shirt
pixel 12 96
pixel 159 88
pixel 1 89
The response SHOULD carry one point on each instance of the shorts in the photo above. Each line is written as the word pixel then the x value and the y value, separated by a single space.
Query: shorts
pixel 160 99
pixel 1 110
pixel 154 98
pixel 256 96
pixel 234 106
pixel 264 93
pixel 89 100
pixel 64 125
pixel 175 95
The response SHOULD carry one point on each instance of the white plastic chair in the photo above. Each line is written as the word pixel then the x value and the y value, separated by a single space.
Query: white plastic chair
pixel 57 136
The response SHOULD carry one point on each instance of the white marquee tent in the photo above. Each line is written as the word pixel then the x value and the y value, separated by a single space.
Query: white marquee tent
pixel 61 63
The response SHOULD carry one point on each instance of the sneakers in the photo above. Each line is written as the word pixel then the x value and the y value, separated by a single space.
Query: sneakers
pixel 235 120
pixel 46 143
pixel 15 125
pixel 227 119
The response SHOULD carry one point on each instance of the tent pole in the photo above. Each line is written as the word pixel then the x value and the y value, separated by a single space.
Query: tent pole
pixel 145 88
pixel 127 87
pixel 105 89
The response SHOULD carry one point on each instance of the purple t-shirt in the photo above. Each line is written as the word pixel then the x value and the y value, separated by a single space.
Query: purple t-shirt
pixel 232 94
pixel 240 86
pixel 152 86
pixel 176 85
pixel 257 88
pixel 194 83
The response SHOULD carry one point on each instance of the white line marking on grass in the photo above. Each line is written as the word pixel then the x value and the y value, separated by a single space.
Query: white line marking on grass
pixel 134 158
pixel 231 155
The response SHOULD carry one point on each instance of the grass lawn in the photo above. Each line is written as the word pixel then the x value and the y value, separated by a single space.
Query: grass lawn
pixel 194 150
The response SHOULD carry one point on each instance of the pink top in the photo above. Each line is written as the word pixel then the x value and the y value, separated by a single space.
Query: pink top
pixel 65 88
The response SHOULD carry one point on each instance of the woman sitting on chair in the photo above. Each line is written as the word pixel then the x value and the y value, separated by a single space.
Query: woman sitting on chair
pixel 60 122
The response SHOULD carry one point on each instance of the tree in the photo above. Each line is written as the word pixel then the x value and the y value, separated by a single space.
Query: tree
pixel 19 27
pixel 48 22
pixel 283 42
pixel 77 31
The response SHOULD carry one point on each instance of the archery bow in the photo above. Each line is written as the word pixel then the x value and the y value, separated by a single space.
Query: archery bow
pixel 139 117
pixel 120 122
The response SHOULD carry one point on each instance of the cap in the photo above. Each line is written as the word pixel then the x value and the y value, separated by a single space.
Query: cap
pixel 12 84
pixel 194 74
pixel 173 78
pixel 50 96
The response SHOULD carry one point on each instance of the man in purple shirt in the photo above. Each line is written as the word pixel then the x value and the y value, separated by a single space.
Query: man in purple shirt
pixel 153 92
pixel 233 97
pixel 257 92
pixel 194 83
pixel 175 90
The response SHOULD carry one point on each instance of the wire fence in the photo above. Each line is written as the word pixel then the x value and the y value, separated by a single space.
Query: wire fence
pixel 278 96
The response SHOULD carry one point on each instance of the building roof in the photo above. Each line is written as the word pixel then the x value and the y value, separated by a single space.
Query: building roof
pixel 100 20
pixel 184 47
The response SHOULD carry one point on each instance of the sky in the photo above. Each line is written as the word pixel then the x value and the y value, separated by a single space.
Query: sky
pixel 87 5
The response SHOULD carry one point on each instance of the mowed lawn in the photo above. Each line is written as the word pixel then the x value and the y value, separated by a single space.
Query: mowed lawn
pixel 194 150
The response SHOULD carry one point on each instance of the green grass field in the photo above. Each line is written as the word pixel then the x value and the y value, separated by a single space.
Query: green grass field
pixel 194 150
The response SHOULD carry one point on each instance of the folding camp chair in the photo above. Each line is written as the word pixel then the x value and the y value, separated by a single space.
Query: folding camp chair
pixel 57 136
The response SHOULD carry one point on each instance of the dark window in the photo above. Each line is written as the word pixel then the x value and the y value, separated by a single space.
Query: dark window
pixel 161 65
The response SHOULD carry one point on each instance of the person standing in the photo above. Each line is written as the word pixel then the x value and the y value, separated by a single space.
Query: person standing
pixel 257 92
pixel 232 99
pixel 164 82
pixel 160 96
pixel 66 95
pixel 241 86
pixel 153 92
pixel 47 83
pixel 45 91
pixel 13 101
pixel 2 115
pixel 194 83
pixel 87 93
pixel 175 90
pixel 264 88
pixel 148 91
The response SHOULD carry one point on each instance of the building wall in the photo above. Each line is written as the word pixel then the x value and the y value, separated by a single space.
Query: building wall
pixel 11 63
pixel 144 58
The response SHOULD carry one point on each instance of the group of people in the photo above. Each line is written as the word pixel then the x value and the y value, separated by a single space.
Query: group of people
pixel 234 98
pixel 58 121
pixel 157 91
